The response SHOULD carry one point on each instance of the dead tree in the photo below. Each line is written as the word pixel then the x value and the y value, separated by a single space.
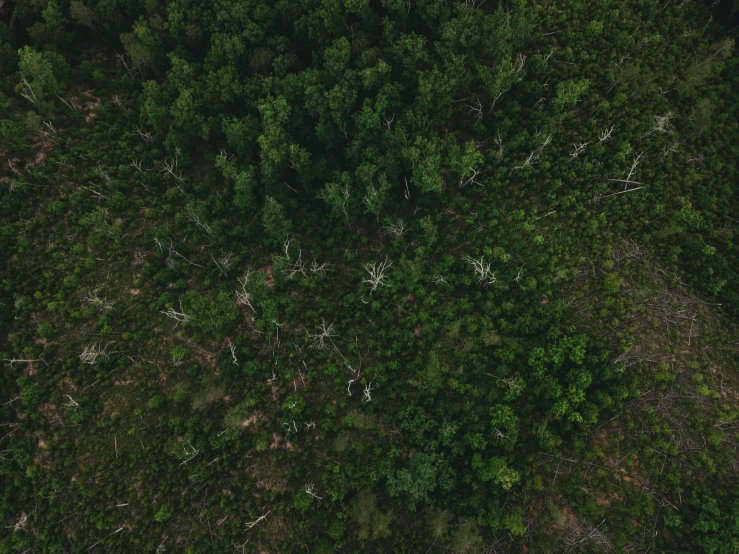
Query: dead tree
pixel 232 348
pixel 170 167
pixel 546 142
pixel 578 149
pixel 71 104
pixel 482 270
pixel 116 100
pixel 177 358
pixel 439 278
pixel 309 489
pixel 605 134
pixel 294 267
pixel 20 524
pixel 628 181
pixel 669 149
pixel 243 296
pixel 195 218
pixel 144 135
pixel 92 352
pixel 28 93
pixel 12 361
pixel 376 274
pixel 532 160
pixel 319 269
pixel 137 165
pixel 464 180
pixel 251 524
pixel 172 254
pixel 226 260
pixel 661 124
pixel 367 390
pixel 476 109
pixel 324 335
pixel 122 59
pixel 189 453
pixel 396 227
pixel 72 403
pixel 499 143
pixel 474 4
pixel 179 317
pixel 102 305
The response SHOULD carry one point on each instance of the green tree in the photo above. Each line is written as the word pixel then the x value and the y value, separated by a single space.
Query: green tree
pixel 218 315
pixel 275 220
pixel 41 74
pixel 164 513
pixel 274 142
pixel 338 195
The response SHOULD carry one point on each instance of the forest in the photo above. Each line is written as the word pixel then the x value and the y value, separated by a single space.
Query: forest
pixel 410 276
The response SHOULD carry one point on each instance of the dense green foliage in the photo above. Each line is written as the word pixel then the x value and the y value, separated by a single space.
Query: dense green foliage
pixel 390 276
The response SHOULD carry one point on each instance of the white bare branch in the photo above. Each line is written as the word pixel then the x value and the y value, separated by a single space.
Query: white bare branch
pixel 578 149
pixel 482 270
pixel 103 175
pixel 69 103
pixel 669 149
pixel 546 142
pixel 50 127
pixel 532 160
pixel 189 453
pixel 439 278
pixel 633 168
pixel 475 108
pixel 325 334
pixel 661 124
pixel 232 348
pixel 12 361
pixel 376 271
pixel 195 218
pixel 28 92
pixel 474 4
pixel 172 253
pixel 92 352
pixel 464 180
pixel 367 390
pixel 242 296
pixel 499 142
pixel 72 402
pixel 20 524
pixel 116 100
pixel 177 357
pixel 396 227
pixel 309 488
pixel 179 317
pixel 605 134
pixel 321 269
pixel 101 304
pixel 294 267
pixel 251 524
pixel 137 165
pixel 144 135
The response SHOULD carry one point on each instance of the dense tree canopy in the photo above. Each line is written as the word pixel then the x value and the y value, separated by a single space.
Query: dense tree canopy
pixel 353 276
